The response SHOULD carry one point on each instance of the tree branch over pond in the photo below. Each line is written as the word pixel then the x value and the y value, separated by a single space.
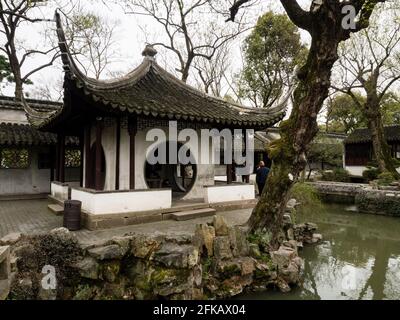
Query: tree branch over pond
pixel 324 23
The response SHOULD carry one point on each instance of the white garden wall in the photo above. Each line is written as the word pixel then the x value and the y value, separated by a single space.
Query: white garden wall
pixel 232 192
pixel 122 201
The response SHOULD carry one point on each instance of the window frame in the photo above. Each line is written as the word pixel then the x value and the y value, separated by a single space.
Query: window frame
pixel 16 148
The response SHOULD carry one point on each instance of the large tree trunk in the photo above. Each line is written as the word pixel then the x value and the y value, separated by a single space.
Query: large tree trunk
pixel 379 143
pixel 288 153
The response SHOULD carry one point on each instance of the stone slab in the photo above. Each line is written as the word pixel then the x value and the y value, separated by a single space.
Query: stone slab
pixel 56 209
pixel 193 214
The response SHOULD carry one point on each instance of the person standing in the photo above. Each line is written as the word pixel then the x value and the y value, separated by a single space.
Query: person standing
pixel 261 176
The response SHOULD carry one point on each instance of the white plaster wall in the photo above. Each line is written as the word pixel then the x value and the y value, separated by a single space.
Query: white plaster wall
pixel 123 202
pixel 108 140
pixel 124 159
pixel 358 170
pixel 85 197
pixel 229 193
pixel 205 173
pixel 25 181
pixel 59 191
pixel 13 116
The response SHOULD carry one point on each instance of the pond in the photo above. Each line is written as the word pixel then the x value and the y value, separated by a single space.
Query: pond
pixel 358 259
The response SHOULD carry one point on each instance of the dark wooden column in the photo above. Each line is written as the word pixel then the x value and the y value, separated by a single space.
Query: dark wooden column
pixel 88 165
pixel 246 178
pixel 132 128
pixel 229 173
pixel 229 167
pixel 52 164
pixel 61 158
pixel 57 154
pixel 81 146
pixel 99 129
pixel 117 150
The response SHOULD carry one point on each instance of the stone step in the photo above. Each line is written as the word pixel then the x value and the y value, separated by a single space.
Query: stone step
pixel 192 214
pixel 188 206
pixel 56 208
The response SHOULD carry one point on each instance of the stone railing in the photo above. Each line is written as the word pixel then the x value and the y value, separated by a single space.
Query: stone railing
pixel 338 191
pixel 367 198
pixel 338 188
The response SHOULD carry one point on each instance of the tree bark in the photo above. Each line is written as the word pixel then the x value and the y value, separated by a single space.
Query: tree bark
pixel 324 23
pixel 288 153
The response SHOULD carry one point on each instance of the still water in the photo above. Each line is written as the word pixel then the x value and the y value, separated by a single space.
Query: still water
pixel 358 259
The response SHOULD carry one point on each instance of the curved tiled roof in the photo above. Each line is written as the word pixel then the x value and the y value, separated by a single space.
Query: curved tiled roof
pixel 12 134
pixel 149 90
pixel 363 135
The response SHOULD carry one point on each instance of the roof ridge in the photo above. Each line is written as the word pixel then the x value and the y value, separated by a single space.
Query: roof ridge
pixel 30 100
pixel 140 71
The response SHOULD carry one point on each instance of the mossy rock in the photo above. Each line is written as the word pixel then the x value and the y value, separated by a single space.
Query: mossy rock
pixel 85 292
pixel 110 270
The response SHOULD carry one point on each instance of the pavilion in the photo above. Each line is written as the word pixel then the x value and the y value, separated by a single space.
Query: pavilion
pixel 111 119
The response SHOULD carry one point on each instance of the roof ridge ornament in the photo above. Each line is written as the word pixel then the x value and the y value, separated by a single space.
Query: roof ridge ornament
pixel 149 52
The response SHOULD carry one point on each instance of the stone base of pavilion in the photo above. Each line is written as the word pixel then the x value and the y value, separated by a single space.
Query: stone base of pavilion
pixel 111 209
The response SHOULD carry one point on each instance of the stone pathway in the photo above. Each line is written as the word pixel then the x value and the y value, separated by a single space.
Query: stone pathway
pixel 33 217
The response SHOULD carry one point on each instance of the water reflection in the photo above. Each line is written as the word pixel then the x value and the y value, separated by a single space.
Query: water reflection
pixel 359 258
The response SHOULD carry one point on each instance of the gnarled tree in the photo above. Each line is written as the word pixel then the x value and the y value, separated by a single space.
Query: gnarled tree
pixel 192 28
pixel 370 63
pixel 12 15
pixel 324 21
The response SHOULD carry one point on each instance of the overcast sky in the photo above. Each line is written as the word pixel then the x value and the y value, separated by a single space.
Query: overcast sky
pixel 131 34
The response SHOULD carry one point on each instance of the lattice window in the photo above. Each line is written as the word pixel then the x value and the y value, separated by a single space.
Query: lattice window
pixel 72 158
pixel 14 158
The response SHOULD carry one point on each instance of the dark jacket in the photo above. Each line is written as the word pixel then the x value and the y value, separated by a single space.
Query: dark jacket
pixel 262 174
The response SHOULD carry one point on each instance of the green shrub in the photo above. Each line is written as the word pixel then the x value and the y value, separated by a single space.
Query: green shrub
pixel 306 194
pixel 371 174
pixel 337 175
pixel 327 176
pixel 385 178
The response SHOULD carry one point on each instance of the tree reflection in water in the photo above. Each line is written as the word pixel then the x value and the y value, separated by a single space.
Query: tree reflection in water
pixel 359 258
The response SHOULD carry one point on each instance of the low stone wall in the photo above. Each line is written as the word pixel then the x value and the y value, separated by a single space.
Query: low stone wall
pixel 216 262
pixel 379 202
pixel 338 192
pixel 384 200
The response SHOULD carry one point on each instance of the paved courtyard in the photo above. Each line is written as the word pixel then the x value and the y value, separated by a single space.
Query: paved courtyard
pixel 33 217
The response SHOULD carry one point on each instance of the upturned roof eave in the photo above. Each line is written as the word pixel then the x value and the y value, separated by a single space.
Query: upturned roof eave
pixel 257 118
